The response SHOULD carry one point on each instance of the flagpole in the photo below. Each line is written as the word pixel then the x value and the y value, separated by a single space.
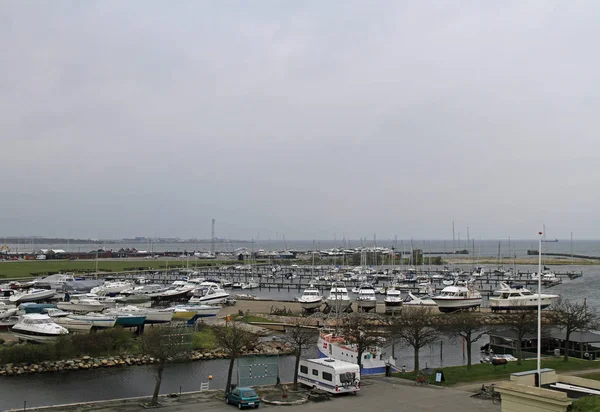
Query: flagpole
pixel 539 326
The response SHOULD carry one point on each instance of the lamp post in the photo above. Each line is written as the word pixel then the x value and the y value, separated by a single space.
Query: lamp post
pixel 539 325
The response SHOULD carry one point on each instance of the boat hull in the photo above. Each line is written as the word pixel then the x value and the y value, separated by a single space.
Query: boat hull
pixel 452 305
pixel 73 325
pixel 342 305
pixel 34 338
pixel 130 321
pixel 366 305
pixel 33 297
pixel 99 323
pixel 80 307
pixel 311 305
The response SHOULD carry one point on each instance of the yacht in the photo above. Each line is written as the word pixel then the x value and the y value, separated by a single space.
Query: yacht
pixel 338 299
pixel 37 328
pixel 393 300
pixel 81 304
pixel 32 295
pixel 251 284
pixel 62 318
pixel 517 297
pixel 460 296
pixel 414 300
pixel 311 298
pixel 112 287
pixel 98 320
pixel 209 293
pixel 366 299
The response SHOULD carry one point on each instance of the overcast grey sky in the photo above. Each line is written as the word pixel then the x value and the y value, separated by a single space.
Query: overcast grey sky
pixel 304 118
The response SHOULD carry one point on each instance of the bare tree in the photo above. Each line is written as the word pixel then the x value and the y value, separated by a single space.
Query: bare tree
pixel 300 336
pixel 165 344
pixel 361 332
pixel 233 339
pixel 417 328
pixel 522 322
pixel 466 325
pixel 572 317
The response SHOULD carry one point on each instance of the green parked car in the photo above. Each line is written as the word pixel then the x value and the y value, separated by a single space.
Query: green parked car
pixel 243 397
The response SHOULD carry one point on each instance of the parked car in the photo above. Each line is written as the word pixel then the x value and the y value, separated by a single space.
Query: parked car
pixel 243 397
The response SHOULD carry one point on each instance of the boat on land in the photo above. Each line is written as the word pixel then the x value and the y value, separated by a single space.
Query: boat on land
pixel 153 291
pixel 62 318
pixel 393 300
pixel 7 311
pixel 81 304
pixel 414 300
pixel 517 297
pixel 366 299
pixel 335 346
pixel 38 328
pixel 98 320
pixel 152 315
pixel 32 295
pixel 126 319
pixel 311 299
pixel 460 296
pixel 209 293
pixel 189 312
pixel 338 299
pixel 112 287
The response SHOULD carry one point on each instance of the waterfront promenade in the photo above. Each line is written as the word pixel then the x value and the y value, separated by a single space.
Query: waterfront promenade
pixel 377 393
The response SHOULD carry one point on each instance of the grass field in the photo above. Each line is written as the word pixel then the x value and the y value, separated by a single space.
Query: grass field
pixel 44 267
pixel 483 372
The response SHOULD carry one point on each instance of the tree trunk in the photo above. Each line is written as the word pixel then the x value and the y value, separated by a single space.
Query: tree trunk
pixel 519 353
pixel 159 372
pixel 468 341
pixel 298 354
pixel 359 355
pixel 416 348
pixel 228 385
pixel 567 341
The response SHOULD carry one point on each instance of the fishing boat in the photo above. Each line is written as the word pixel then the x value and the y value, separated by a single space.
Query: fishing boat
pixel 98 320
pixel 38 328
pixel 518 297
pixel 338 299
pixel 209 293
pixel 62 318
pixel 81 304
pixel 393 300
pixel 460 296
pixel 335 346
pixel 311 299
pixel 32 295
pixel 366 299
pixel 414 300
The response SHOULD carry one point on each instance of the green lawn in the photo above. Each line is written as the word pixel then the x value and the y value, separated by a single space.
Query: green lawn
pixel 204 340
pixel 482 372
pixel 587 404
pixel 44 267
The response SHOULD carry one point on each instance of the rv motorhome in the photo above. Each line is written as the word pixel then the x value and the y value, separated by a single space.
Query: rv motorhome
pixel 330 375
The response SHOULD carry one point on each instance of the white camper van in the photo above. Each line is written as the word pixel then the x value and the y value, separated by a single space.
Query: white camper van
pixel 330 375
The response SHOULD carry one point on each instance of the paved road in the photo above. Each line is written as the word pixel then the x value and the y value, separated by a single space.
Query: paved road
pixel 377 394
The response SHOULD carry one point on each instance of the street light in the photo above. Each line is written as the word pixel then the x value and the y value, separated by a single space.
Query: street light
pixel 539 326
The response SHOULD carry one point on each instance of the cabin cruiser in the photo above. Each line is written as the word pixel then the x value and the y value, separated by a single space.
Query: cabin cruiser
pixel 112 287
pixel 311 298
pixel 56 281
pixel 518 297
pixel 209 293
pixel 7 311
pixel 38 328
pixel 338 299
pixel 460 296
pixel 152 291
pixel 62 318
pixel 366 299
pixel 152 315
pixel 178 290
pixel 81 304
pixel 335 346
pixel 414 300
pixel 98 320
pixel 32 295
pixel 251 284
pixel 393 300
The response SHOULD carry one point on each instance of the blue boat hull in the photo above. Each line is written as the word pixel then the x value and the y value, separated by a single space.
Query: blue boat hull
pixel 130 321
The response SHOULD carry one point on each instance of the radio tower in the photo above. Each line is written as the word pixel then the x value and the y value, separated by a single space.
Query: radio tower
pixel 212 238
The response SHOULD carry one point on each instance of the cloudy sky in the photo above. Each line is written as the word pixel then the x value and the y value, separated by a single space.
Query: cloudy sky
pixel 304 118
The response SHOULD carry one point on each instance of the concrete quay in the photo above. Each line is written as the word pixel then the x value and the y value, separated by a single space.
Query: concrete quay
pixel 377 393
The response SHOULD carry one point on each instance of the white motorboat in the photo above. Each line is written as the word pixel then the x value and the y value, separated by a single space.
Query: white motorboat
pixel 338 299
pixel 518 297
pixel 460 296
pixel 9 322
pixel 7 311
pixel 393 300
pixel 55 281
pixel 209 293
pixel 38 328
pixel 413 300
pixel 62 318
pixel 81 304
pixel 237 285
pixel 99 320
pixel 32 295
pixel 5 295
pixel 188 312
pixel 366 299
pixel 251 284
pixel 152 315
pixel 311 298
pixel 112 287
pixel 226 283
pixel 152 291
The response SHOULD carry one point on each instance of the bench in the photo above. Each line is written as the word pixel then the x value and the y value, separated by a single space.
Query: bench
pixel 318 394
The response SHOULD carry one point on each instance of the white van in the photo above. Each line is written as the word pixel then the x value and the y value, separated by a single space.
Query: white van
pixel 330 375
